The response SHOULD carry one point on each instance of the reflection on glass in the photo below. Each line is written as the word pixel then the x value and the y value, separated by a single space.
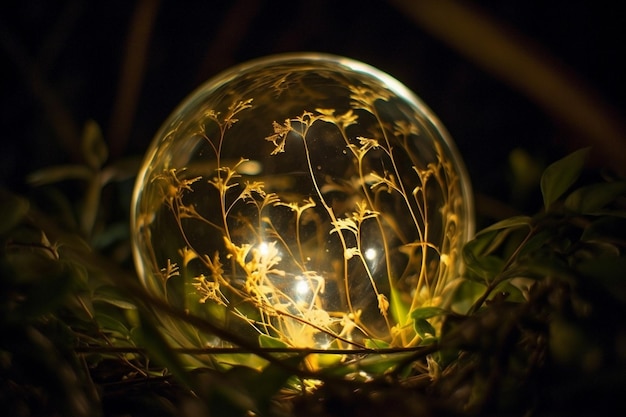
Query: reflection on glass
pixel 306 199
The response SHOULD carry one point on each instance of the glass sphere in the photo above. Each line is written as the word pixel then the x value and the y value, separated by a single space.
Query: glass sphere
pixel 301 200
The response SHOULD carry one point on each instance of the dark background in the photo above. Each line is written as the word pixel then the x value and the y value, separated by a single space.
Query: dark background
pixel 62 62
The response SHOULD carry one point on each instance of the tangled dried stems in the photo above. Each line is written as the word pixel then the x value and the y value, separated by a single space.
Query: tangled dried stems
pixel 265 274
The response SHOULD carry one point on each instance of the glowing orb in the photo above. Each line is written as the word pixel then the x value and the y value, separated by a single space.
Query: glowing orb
pixel 307 200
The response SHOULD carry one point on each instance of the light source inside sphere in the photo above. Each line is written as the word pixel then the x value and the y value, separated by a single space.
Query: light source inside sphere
pixel 308 200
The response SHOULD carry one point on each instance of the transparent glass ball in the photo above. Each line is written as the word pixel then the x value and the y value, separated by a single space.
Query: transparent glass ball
pixel 305 201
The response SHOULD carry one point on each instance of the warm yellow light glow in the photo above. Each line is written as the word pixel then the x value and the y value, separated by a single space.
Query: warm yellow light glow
pixel 302 287
pixel 264 249
pixel 371 254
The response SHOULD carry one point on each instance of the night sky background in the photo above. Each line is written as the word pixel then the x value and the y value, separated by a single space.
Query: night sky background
pixel 62 62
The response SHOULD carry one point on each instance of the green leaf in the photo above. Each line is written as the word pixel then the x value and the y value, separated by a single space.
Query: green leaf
pixel 374 364
pixel 114 325
pixel 560 175
pixel 466 294
pixel 111 295
pixel 427 312
pixel 483 267
pixel 59 173
pixel 590 199
pixel 481 242
pixel 512 222
pixel 270 342
pixel 399 309
pixel 511 292
pixel 94 147
pixel 376 344
pixel 12 210
pixel 423 328
pixel 114 232
pixel 538 242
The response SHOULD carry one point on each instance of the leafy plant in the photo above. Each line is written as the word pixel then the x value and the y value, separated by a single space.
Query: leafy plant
pixel 534 329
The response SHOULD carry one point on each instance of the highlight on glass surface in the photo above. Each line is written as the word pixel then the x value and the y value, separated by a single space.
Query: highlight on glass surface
pixel 304 201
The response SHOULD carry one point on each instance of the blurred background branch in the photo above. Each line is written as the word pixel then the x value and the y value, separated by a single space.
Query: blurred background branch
pixel 131 74
pixel 522 63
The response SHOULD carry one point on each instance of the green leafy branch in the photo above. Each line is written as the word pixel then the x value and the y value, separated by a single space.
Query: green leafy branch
pixel 533 327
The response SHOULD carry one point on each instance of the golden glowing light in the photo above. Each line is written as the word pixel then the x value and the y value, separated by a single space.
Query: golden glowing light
pixel 301 200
